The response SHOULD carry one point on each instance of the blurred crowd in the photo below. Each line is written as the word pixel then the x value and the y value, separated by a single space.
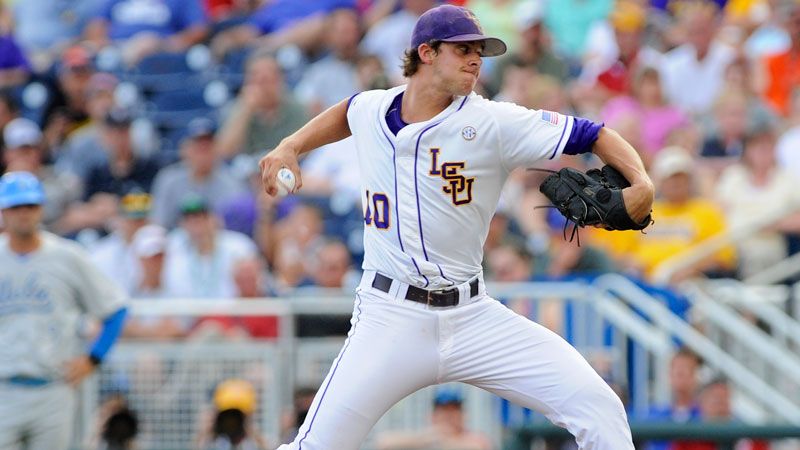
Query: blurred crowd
pixel 145 119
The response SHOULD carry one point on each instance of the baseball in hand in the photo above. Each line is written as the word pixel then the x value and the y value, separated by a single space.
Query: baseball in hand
pixel 285 182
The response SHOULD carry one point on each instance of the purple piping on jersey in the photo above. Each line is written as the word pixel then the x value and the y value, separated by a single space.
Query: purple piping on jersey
pixel 555 150
pixel 396 212
pixel 427 282
pixel 350 100
pixel 333 373
pixel 416 185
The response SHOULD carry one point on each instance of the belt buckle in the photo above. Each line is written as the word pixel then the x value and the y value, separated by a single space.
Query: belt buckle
pixel 433 293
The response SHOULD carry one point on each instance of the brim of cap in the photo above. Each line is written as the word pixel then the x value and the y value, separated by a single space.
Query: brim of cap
pixel 22 199
pixel 492 46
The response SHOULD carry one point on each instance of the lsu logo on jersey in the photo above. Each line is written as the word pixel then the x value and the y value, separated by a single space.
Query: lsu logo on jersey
pixel 457 185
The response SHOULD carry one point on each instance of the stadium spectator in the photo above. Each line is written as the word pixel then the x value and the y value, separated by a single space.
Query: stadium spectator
pixel 149 248
pixel 509 263
pixel 657 118
pixel 291 420
pixel 546 92
pixel 754 189
pixel 768 35
pixel 781 70
pixel 224 14
pixel 693 72
pixel 683 407
pixel 497 18
pixel 280 23
pixel 251 281
pixel 564 257
pixel 370 73
pixel 67 110
pixel 231 424
pixel 715 406
pixel 264 112
pixel 512 263
pixel 332 78
pixel 330 267
pixel 333 170
pixel 9 110
pixel 725 138
pixel 14 66
pixel 45 28
pixel 448 430
pixel 114 254
pixel 684 220
pixel 297 235
pixel 616 52
pixel 788 142
pixel 118 425
pixel 123 170
pixel 84 148
pixel 388 39
pixel 200 257
pixel 199 172
pixel 740 77
pixel 143 27
pixel 24 152
pixel 532 51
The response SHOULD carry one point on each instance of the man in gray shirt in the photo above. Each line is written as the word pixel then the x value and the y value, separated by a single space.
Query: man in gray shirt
pixel 199 172
pixel 47 284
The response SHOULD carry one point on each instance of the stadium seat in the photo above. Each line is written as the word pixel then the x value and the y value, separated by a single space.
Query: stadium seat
pixel 232 67
pixel 164 72
pixel 174 109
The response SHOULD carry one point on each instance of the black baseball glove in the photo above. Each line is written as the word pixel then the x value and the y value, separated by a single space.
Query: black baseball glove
pixel 593 198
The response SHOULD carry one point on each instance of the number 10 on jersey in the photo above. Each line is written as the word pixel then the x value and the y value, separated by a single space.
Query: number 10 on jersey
pixel 377 212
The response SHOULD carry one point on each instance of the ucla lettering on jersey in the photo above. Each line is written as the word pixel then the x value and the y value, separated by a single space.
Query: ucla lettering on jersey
pixel 24 296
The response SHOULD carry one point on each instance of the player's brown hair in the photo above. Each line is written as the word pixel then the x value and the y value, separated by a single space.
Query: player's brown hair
pixel 411 59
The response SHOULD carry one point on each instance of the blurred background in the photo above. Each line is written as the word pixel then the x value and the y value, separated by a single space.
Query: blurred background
pixel 145 120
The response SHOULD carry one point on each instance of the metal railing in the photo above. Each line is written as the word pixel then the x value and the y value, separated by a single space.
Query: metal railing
pixel 768 304
pixel 724 434
pixel 666 269
pixel 609 316
pixel 758 391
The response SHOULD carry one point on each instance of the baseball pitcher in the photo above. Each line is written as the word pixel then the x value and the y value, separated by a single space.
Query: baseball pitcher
pixel 434 157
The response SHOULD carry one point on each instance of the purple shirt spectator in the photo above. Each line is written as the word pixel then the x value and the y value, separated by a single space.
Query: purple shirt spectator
pixel 127 18
pixel 11 56
pixel 279 14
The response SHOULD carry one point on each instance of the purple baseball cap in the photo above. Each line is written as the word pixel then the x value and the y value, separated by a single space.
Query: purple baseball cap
pixel 450 23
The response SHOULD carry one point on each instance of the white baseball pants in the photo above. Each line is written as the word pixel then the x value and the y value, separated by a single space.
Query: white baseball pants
pixel 42 416
pixel 396 347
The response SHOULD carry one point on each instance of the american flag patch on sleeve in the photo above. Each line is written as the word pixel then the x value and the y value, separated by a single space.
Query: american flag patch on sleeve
pixel 550 117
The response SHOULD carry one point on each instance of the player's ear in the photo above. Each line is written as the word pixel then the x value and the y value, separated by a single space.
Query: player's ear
pixel 426 53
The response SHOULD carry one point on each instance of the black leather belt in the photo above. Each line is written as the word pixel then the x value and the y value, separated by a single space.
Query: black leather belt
pixel 438 298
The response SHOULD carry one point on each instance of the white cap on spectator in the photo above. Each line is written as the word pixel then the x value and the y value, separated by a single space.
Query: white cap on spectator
pixel 149 240
pixel 672 160
pixel 21 132
pixel 528 13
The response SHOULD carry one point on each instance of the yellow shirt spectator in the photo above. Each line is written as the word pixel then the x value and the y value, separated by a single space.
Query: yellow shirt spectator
pixel 681 222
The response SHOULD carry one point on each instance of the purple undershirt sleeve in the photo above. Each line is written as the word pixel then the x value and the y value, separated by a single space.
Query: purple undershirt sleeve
pixel 584 133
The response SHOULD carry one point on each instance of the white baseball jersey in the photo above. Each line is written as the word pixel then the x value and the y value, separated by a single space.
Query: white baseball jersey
pixel 42 298
pixel 452 166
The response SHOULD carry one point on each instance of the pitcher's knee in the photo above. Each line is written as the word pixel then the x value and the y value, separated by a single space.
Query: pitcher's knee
pixel 599 420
